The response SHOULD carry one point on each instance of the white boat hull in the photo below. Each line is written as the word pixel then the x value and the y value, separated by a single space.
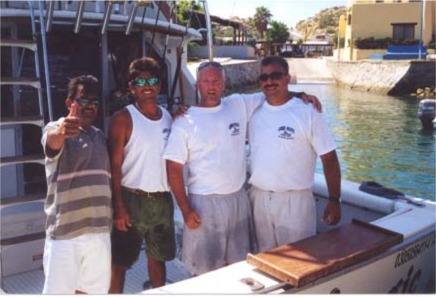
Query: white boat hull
pixel 408 267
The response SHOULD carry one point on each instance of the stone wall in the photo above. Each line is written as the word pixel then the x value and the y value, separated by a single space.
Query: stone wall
pixel 241 76
pixel 383 77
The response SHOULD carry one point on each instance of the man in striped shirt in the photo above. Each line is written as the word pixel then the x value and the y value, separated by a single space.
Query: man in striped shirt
pixel 77 253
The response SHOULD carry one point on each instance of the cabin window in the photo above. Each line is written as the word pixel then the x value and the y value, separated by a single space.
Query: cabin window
pixel 403 31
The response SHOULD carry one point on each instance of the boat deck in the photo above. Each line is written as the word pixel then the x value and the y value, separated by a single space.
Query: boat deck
pixel 136 278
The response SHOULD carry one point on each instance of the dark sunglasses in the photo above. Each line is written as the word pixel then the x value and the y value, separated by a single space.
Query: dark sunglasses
pixel 273 76
pixel 209 64
pixel 88 102
pixel 141 81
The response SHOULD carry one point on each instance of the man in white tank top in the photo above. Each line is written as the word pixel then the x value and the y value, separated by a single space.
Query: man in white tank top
pixel 143 206
pixel 286 136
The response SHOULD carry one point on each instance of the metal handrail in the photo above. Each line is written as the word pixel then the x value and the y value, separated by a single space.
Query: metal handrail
pixel 209 29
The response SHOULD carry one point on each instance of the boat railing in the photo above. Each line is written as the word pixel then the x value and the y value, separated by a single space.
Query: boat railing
pixel 350 194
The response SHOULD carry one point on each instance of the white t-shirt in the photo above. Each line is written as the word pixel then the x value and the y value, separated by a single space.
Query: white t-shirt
pixel 143 167
pixel 284 143
pixel 211 142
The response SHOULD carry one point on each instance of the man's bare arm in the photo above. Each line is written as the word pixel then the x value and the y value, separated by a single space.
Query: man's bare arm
pixel 117 140
pixel 332 173
pixel 176 181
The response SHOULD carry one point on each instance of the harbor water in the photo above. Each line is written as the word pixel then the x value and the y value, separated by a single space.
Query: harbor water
pixel 379 138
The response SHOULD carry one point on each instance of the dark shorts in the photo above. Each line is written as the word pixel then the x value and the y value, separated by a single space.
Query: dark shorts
pixel 153 221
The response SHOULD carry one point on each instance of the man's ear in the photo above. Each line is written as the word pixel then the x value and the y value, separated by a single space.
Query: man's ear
pixel 131 88
pixel 289 78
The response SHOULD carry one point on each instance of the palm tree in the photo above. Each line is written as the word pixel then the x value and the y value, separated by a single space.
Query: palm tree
pixel 261 19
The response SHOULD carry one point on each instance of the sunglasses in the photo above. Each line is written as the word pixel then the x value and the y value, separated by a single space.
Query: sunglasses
pixel 82 101
pixel 273 76
pixel 141 81
pixel 209 64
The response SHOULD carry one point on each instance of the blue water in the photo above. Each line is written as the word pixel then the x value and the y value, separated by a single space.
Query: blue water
pixel 379 138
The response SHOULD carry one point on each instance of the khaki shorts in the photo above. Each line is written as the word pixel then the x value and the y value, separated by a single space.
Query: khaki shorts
pixel 153 221
pixel 282 217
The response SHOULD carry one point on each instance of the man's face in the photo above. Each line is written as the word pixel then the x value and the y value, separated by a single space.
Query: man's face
pixel 273 81
pixel 210 84
pixel 88 105
pixel 146 87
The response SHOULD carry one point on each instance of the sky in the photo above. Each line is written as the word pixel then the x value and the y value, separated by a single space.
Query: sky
pixel 289 12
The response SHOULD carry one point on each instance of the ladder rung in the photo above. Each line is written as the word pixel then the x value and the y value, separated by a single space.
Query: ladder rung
pixel 22 159
pixel 29 44
pixel 33 82
pixel 32 120
pixel 27 198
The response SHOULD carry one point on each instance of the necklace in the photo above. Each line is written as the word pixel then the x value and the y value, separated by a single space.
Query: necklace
pixel 154 117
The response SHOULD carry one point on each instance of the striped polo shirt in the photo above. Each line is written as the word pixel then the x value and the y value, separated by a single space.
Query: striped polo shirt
pixel 78 185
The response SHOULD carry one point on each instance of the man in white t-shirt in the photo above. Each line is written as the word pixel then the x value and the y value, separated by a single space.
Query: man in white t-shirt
pixel 210 140
pixel 286 136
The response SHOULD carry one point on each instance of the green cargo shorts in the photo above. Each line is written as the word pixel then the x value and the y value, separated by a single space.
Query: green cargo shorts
pixel 153 221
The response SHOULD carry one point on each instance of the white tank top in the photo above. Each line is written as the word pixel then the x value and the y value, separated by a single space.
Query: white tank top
pixel 143 167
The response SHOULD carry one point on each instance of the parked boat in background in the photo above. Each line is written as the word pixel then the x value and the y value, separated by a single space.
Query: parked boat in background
pixel 427 113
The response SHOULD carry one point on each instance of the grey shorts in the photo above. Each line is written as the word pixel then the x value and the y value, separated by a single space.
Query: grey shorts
pixel 225 235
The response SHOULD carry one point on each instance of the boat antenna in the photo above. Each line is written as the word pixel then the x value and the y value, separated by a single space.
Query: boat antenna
pixel 168 31
pixel 154 30
pixel 179 60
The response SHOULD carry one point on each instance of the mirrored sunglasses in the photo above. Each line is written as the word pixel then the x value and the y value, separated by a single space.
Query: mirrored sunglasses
pixel 88 102
pixel 141 81
pixel 209 64
pixel 273 76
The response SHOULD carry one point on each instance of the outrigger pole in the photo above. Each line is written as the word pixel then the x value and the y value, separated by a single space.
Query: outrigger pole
pixel 178 66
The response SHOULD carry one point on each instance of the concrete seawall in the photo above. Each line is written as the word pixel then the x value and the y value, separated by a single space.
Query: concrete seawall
pixel 375 76
pixel 241 75
pixel 383 77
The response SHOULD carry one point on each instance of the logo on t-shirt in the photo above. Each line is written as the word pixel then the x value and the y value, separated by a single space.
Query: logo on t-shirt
pixel 286 132
pixel 234 128
pixel 166 132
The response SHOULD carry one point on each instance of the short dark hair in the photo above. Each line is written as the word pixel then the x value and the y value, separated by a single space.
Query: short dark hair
pixel 144 64
pixel 89 82
pixel 275 60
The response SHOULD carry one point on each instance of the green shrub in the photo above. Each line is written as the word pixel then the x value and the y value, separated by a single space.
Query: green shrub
pixel 381 43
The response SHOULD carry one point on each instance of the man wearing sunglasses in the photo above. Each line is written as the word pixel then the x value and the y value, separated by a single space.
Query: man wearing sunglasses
pixel 77 252
pixel 143 206
pixel 286 136
pixel 210 140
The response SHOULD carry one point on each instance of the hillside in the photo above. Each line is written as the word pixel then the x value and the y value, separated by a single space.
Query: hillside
pixel 325 21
